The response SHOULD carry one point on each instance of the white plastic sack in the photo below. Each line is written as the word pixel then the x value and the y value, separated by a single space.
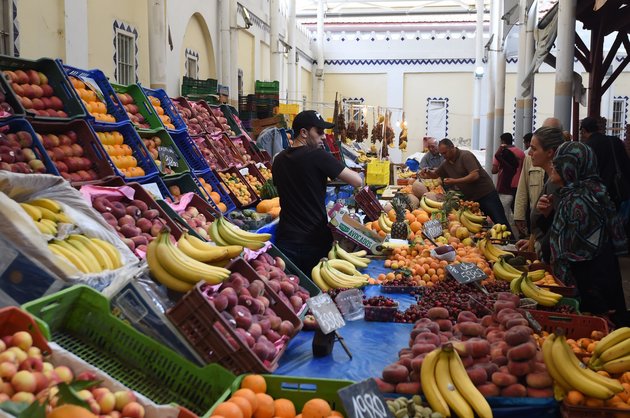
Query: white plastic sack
pixel 18 228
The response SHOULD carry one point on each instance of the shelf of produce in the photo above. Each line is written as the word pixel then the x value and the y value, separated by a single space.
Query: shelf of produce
pixel 203 208
pixel 253 177
pixel 136 102
pixel 213 110
pixel 189 116
pixel 191 152
pixel 8 97
pixel 206 117
pixel 79 320
pixel 59 87
pixel 211 179
pixel 224 148
pixel 94 163
pixel 210 154
pixel 9 163
pixel 181 184
pixel 97 82
pixel 235 175
pixel 168 108
pixel 165 140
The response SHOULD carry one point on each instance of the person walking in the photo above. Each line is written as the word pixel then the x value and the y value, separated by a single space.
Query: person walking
pixel 433 158
pixel 300 174
pixel 508 163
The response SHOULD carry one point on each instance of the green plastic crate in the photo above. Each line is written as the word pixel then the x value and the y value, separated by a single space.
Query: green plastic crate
pixel 168 142
pixel 144 106
pixel 79 320
pixel 195 87
pixel 299 390
pixel 267 87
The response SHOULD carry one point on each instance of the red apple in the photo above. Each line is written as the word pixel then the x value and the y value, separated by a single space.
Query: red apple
pixel 22 77
pixel 33 77
pixel 48 91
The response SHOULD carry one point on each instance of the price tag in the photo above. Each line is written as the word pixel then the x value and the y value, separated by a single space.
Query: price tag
pixel 326 313
pixel 154 190
pixel 433 229
pixel 168 156
pixel 244 171
pixel 466 273
pixel 364 400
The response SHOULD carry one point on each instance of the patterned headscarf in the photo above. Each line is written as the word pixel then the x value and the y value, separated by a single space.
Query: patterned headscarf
pixel 585 219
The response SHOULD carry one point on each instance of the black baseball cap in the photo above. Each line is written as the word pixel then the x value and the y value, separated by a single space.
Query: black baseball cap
pixel 309 119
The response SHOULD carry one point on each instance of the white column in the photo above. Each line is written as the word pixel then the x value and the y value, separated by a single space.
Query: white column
pixel 528 105
pixel 320 56
pixel 495 8
pixel 224 42
pixel 274 30
pixel 157 43
pixel 478 74
pixel 499 101
pixel 76 33
pixel 519 129
pixel 232 81
pixel 292 64
pixel 564 62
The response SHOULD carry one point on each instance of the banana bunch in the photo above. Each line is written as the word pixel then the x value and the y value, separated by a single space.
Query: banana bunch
pixel 362 158
pixel 447 387
pixel 612 353
pixel 432 183
pixel 569 373
pixel 357 258
pixel 429 205
pixel 526 286
pixel 205 252
pixel 402 407
pixel 223 233
pixel 505 271
pixel 89 255
pixel 177 271
pixel 385 223
pixel 490 251
pixel 472 222
pixel 337 274
pixel 47 214
pixel 499 231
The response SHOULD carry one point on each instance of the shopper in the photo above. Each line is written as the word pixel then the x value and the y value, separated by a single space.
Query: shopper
pixel 508 163
pixel 527 140
pixel 301 173
pixel 587 235
pixel 462 171
pixel 433 158
pixel 544 144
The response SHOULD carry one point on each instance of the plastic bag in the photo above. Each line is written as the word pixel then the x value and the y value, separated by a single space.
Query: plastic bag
pixel 449 256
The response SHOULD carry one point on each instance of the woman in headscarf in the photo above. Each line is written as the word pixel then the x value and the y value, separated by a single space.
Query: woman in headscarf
pixel 586 235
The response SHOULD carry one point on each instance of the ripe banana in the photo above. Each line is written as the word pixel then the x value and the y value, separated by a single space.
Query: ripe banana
pixel 49 204
pixel 472 226
pixel 101 257
pixel 432 203
pixel 386 219
pixel 186 268
pixel 617 336
pixel 233 250
pixel 85 254
pixel 211 253
pixel 478 219
pixel 429 388
pixel 46 229
pixel 490 251
pixel 252 236
pixel 331 254
pixel 68 255
pixel 383 224
pixel 515 284
pixel 358 262
pixel 111 250
pixel 32 211
pixel 317 277
pixel 543 297
pixel 425 206
pixel 344 266
pixel 618 365
pixel 466 387
pixel 456 402
pixel 360 253
pixel 215 236
pixel 552 368
pixel 338 280
pixel 160 274
pixel 618 350
pixel 233 235
pixel 507 272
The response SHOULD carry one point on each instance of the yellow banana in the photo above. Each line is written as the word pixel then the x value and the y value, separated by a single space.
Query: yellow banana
pixel 425 206
pixel 387 221
pixel 32 211
pixel 500 272
pixel 344 266
pixel 317 277
pixel 160 274
pixel 185 268
pixel 541 296
pixel 250 236
pixel 344 255
pixel 331 254
pixel 111 250
pixel 515 285
pixel 214 234
pixel 84 253
pixel 618 365
pixel 429 387
pixel 337 279
pixel 612 339
pixel 49 204
pixel 63 218
pixel 231 235
pixel 473 227
pixel 45 228
pixel 48 214
pixel 552 368
pixel 360 253
pixel 478 219
pixel 466 387
pixel 101 257
pixel 456 402
pixel 210 254
pixel 68 255
pixel 232 250
pixel 432 203
pixel 383 225
pixel 618 350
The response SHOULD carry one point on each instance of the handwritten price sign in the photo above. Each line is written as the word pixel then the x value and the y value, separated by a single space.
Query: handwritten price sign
pixel 364 400
pixel 433 228
pixel 466 273
pixel 326 313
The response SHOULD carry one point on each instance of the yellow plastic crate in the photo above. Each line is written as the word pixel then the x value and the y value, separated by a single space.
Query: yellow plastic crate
pixel 289 109
pixel 377 173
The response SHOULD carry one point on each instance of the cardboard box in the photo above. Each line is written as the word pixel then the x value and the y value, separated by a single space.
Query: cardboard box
pixel 342 223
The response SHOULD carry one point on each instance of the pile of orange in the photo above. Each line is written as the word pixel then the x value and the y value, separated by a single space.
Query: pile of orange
pixel 582 347
pixel 92 103
pixel 236 186
pixel 415 219
pixel 619 401
pixel 216 197
pixel 252 401
pixel 120 154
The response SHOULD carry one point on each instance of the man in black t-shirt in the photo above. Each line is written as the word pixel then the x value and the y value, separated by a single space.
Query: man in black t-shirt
pixel 300 174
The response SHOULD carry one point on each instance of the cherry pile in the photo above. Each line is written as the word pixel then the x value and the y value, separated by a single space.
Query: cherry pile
pixel 403 281
pixel 380 301
pixel 334 292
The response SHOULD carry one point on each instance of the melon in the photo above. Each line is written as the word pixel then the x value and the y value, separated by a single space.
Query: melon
pixel 414 202
pixel 418 189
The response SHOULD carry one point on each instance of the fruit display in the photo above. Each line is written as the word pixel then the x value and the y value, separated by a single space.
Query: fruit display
pixel 380 309
pixel 205 118
pixel 89 255
pixel 357 258
pixel 612 352
pixel 222 120
pixel 240 146
pixel 237 187
pixel 336 274
pixel 224 233
pixel 266 173
pixel 268 191
pixel 18 154
pixel 499 232
pixel 504 270
pixel 47 215
pixel 197 221
pixel 524 285
pixel 287 286
pixel 254 182
pixel 35 93
pixel 269 206
pixel 490 251
pixel 120 153
pixel 94 105
pixel 249 219
pixel 225 152
pixel 212 194
pixel 157 105
pixel 190 118
pixel 68 156
pixel 152 143
pixel 133 111
pixel 207 150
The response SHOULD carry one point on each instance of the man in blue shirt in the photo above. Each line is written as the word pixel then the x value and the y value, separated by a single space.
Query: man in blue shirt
pixel 433 158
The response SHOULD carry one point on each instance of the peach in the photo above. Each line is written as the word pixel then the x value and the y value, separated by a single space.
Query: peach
pixel 24 381
pixel 64 373
pixel 7 370
pixel 85 394
pixel 123 397
pixel 8 356
pixel 3 346
pixel 7 389
pixel 34 352
pixel 107 402
pixel 133 410
pixel 24 397
pixel 86 375
pixel 32 364
pixel 94 406
pixel 42 381
pixel 47 367
pixel 4 397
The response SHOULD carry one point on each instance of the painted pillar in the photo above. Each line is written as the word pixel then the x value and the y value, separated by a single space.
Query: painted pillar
pixel 519 128
pixel 224 41
pixel 499 101
pixel 528 106
pixel 292 64
pixel 494 19
pixel 564 62
pixel 478 74
pixel 274 41
pixel 157 43
pixel 232 81
pixel 319 70
pixel 76 33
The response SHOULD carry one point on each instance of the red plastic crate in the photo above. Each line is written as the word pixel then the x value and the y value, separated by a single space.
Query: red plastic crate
pixel 208 331
pixel 368 201
pixel 575 326
pixel 574 411
pixel 13 319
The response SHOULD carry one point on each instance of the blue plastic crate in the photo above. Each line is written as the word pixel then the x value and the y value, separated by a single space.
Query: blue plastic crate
pixel 140 152
pixel 169 108
pixel 98 79
pixel 212 180
pixel 21 124
pixel 190 151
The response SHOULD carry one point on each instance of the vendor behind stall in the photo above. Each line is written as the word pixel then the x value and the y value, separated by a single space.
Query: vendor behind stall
pixel 462 171
pixel 301 173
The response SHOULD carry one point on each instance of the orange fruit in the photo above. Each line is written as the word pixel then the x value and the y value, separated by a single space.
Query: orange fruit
pixel 594 403
pixel 336 414
pixel 284 408
pixel 265 406
pixel 249 395
pixel 316 408
pixel 574 398
pixel 243 404
pixel 228 410
pixel 255 382
pixel 67 410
